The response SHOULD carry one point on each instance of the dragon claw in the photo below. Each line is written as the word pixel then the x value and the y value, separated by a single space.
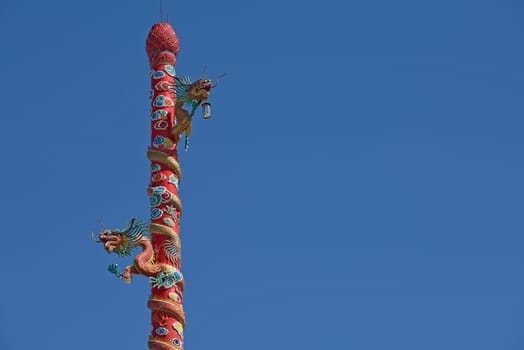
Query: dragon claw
pixel 113 269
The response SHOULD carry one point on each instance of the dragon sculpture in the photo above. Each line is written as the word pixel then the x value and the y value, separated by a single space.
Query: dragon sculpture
pixel 188 94
pixel 192 95
pixel 134 236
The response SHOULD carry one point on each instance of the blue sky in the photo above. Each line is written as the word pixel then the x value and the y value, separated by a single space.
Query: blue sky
pixel 358 187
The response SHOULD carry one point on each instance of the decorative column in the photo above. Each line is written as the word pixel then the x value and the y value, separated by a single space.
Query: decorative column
pixel 165 301
pixel 159 238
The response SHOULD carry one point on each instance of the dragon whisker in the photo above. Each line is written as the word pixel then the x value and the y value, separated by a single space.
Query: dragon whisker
pixel 93 237
pixel 217 80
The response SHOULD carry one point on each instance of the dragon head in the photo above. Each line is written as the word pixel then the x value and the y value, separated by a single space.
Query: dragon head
pixel 114 241
pixel 200 90
pixel 123 242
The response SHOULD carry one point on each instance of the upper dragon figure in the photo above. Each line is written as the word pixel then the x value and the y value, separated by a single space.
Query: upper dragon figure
pixel 191 95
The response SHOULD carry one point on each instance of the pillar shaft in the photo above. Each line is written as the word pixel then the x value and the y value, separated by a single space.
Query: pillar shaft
pixel 165 301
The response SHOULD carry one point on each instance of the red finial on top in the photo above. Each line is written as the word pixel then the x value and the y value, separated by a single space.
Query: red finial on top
pixel 162 45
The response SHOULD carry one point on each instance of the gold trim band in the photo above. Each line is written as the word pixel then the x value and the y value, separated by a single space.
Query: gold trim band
pixel 172 309
pixel 164 230
pixel 155 344
pixel 166 159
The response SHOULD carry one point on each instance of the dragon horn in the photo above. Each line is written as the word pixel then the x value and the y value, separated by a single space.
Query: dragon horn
pixel 204 72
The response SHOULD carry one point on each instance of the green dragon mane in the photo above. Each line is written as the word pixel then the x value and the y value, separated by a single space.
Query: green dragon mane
pixel 182 85
pixel 136 230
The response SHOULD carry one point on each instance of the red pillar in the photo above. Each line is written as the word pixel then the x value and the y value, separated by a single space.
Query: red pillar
pixel 165 301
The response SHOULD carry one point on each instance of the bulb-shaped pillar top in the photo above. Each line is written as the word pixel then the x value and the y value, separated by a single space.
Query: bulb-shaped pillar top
pixel 162 45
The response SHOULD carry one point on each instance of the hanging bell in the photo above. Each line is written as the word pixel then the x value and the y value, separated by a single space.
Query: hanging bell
pixel 206 110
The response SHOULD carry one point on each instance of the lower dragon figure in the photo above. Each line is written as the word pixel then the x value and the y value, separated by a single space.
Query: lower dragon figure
pixel 134 236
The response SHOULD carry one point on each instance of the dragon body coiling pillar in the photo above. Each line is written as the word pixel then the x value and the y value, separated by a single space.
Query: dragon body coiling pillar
pixel 165 301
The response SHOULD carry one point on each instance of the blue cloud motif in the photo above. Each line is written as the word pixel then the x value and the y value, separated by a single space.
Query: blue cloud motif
pixel 178 276
pixel 162 331
pixel 160 114
pixel 158 74
pixel 176 341
pixel 162 101
pixel 159 189
pixel 159 140
pixel 170 70
pixel 173 180
pixel 155 200
pixel 169 222
pixel 159 101
pixel 155 167
pixel 156 213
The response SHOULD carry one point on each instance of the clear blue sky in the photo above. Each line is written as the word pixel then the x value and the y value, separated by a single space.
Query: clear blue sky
pixel 360 185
